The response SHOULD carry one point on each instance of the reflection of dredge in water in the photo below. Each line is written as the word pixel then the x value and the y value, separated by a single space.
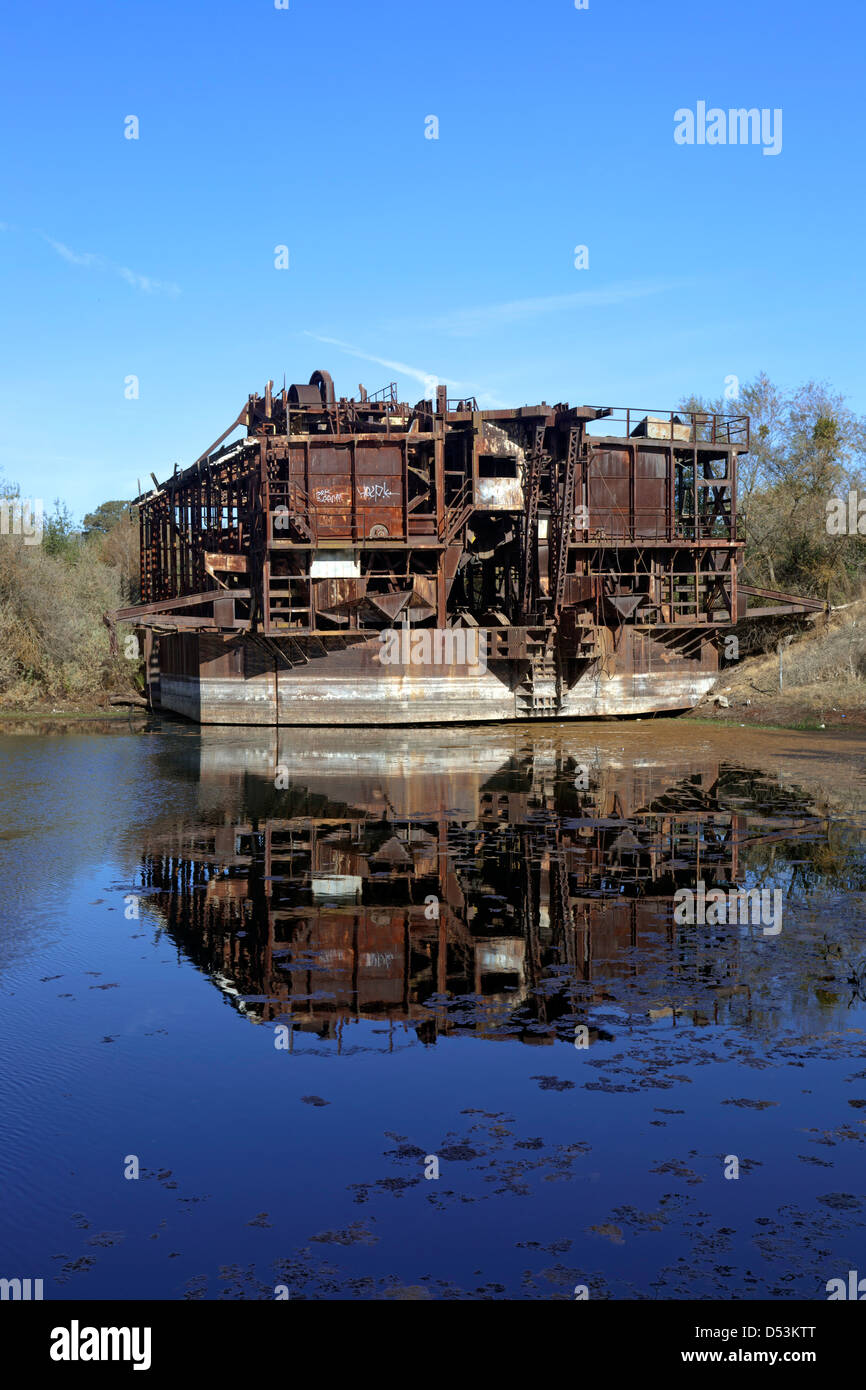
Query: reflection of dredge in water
pixel 508 910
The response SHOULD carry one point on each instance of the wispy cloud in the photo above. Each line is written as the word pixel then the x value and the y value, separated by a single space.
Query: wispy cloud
pixel 465 323
pixel 146 283
pixel 90 260
pixel 401 368
pixel 472 322
pixel 73 257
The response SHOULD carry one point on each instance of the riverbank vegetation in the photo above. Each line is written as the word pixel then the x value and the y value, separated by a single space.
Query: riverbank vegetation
pixel 814 678
pixel 54 648
pixel 807 448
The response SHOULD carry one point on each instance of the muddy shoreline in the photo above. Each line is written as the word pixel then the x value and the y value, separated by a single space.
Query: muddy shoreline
pixel 792 711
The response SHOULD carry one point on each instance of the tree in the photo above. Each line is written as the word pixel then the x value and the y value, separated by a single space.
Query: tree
pixel 106 516
pixel 806 448
pixel 111 536
pixel 59 536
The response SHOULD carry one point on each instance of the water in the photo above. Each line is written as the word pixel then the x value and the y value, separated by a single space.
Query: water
pixel 287 979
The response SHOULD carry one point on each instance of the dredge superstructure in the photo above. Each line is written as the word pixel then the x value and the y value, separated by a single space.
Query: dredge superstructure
pixel 364 561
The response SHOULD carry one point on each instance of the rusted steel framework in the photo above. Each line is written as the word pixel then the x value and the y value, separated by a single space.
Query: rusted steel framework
pixel 557 529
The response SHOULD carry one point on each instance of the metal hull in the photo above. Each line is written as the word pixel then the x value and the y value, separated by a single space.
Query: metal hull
pixel 350 687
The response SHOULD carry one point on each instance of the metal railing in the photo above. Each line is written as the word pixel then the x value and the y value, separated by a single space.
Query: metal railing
pixel 297 501
pixel 677 426
pixel 387 393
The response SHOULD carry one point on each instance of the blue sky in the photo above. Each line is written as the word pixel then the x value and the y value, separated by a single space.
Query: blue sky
pixel 452 257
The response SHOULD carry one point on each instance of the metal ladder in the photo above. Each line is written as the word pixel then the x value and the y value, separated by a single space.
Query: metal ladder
pixel 538 694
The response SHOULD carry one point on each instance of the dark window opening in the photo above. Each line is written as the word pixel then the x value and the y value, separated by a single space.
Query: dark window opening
pixel 491 467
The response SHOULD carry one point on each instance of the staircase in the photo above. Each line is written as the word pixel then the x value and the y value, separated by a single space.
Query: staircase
pixel 289 603
pixel 288 651
pixel 538 694
pixel 297 516
pixel 457 513
pixel 288 655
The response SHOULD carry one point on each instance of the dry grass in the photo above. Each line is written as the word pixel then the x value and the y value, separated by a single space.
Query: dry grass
pixel 823 670
pixel 53 644
pixel 832 651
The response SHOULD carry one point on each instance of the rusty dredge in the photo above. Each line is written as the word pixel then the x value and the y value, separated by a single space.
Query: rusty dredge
pixel 365 561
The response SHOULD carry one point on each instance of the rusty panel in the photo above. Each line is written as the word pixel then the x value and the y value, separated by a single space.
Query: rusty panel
pixel 640 654
pixel 608 491
pixel 499 494
pixel 650 494
pixel 656 428
pixel 237 564
pixel 328 594
pixel 385 459
pixel 179 654
pixel 578 588
pixel 333 522
pixel 379 490
pixel 220 658
pixel 329 461
pixel 331 491
pixel 425 590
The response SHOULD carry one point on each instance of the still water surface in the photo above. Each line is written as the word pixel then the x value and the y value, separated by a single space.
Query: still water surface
pixel 287 972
